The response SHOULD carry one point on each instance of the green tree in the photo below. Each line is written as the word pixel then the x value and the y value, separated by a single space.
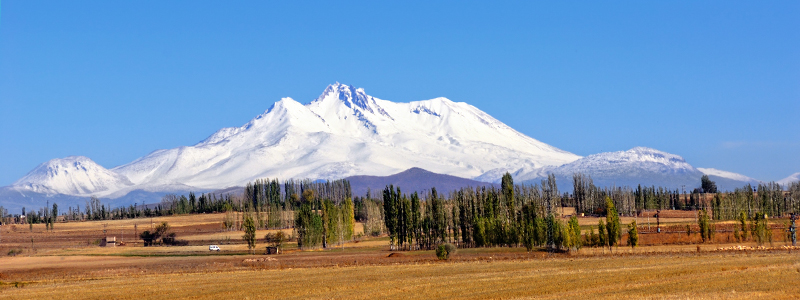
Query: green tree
pixel 479 232
pixel 53 215
pixel 707 185
pixel 276 239
pixel 438 217
pixel 416 218
pixel 602 233
pixel 507 183
pixel 390 213
pixel 444 251
pixel 305 225
pixel 592 239
pixel 758 226
pixel 575 232
pixel 705 226
pixel 330 220
pixel 349 218
pixel 612 223
pixel 160 231
pixel 249 227
pixel 633 235
pixel 743 225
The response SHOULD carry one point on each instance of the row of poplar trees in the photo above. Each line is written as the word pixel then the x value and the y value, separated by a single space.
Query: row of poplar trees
pixel 326 226
pixel 510 216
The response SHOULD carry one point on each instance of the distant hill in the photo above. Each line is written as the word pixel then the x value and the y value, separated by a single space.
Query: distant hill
pixel 409 181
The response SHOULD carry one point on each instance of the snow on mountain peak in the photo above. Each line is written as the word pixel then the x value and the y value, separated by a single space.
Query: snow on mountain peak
pixel 639 165
pixel 726 174
pixel 788 180
pixel 347 132
pixel 352 97
pixel 635 160
pixel 644 154
pixel 73 175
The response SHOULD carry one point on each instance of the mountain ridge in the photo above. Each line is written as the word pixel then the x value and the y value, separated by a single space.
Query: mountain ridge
pixel 410 181
pixel 344 133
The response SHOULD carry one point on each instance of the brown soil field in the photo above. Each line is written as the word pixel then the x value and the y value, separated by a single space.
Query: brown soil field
pixel 67 261
pixel 771 275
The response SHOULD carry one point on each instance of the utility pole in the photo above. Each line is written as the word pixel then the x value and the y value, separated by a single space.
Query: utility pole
pixel 683 193
pixel 658 221
pixel 793 230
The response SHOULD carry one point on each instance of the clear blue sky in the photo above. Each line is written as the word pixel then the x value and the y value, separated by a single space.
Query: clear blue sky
pixel 715 82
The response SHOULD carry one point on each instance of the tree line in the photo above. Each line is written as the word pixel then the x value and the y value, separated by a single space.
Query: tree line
pixel 530 215
pixel 509 216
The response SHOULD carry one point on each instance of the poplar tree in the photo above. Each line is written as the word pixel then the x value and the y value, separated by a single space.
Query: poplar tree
pixel 416 218
pixel 705 226
pixel 249 227
pixel 330 223
pixel 390 209
pixel 507 183
pixel 633 235
pixel 349 217
pixel 612 223
pixel 602 237
pixel 575 233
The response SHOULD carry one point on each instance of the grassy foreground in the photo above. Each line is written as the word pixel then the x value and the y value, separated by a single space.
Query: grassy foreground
pixel 713 275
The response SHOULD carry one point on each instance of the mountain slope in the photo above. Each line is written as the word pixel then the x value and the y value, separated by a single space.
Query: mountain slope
pixel 346 132
pixel 640 165
pixel 788 180
pixel 725 174
pixel 409 181
pixel 728 181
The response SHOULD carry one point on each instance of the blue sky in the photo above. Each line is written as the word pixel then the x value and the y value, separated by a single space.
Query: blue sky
pixel 715 82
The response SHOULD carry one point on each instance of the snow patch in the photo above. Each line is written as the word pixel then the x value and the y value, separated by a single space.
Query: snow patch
pixel 726 174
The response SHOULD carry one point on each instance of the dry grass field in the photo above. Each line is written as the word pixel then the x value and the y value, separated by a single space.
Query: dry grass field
pixel 711 276
pixel 67 262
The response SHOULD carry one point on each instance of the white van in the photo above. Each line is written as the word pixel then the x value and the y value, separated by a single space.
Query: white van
pixel 213 248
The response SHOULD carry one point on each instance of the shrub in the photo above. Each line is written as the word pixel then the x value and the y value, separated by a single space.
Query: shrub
pixel 172 241
pixel 444 251
pixel 276 239
pixel 151 238
pixel 441 253
pixel 148 237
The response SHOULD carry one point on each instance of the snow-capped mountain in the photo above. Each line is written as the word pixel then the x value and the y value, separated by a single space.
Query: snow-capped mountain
pixel 342 133
pixel 640 165
pixel 345 132
pixel 73 175
pixel 788 180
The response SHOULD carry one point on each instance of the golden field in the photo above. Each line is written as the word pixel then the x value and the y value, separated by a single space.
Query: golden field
pixel 66 262
pixel 718 275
